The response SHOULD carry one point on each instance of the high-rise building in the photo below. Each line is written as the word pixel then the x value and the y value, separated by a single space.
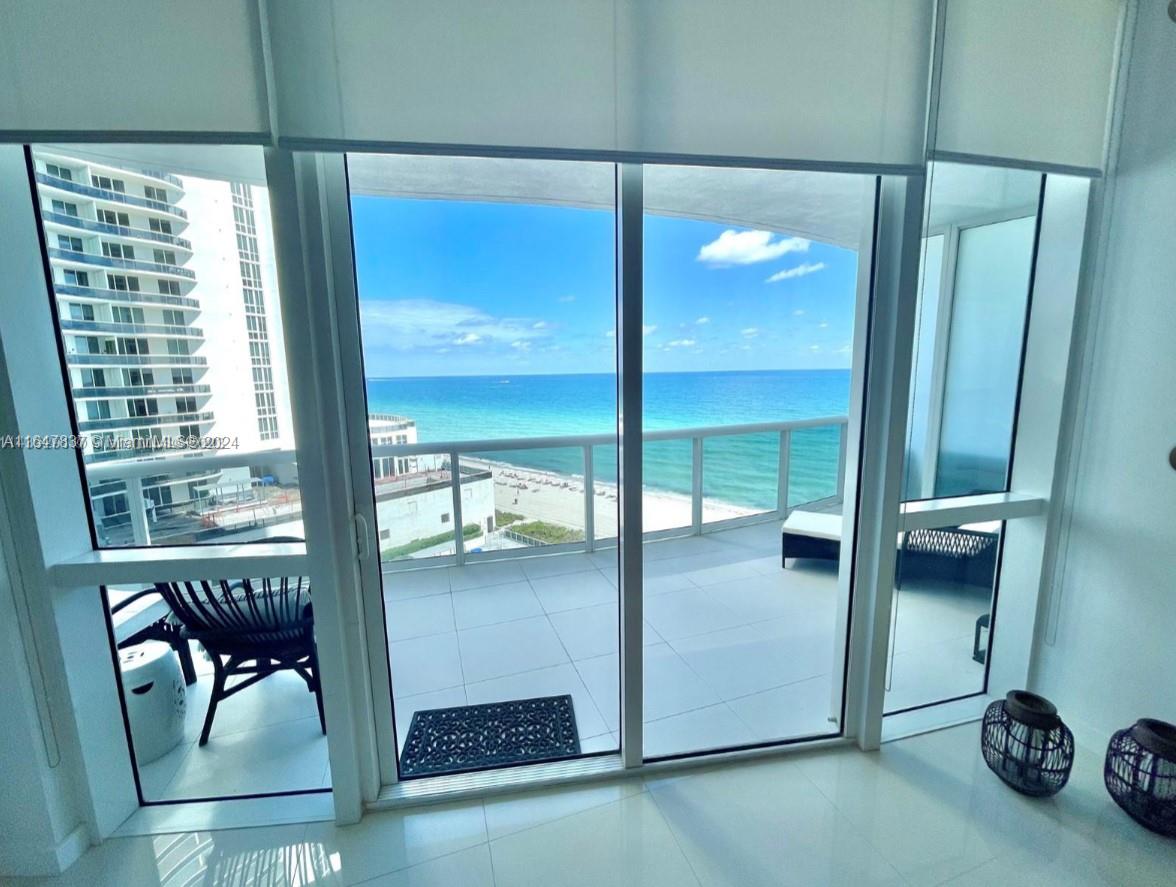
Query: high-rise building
pixel 153 275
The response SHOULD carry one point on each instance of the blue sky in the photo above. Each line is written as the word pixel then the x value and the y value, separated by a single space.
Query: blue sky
pixel 460 288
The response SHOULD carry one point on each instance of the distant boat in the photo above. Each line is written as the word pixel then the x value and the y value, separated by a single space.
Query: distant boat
pixel 504 381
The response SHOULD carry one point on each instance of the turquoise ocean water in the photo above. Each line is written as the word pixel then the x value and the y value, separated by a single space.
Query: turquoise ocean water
pixel 740 470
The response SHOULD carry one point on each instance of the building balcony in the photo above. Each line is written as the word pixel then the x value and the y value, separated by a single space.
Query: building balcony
pixel 116 328
pixel 135 360
pixel 71 256
pixel 105 392
pixel 67 221
pixel 90 191
pixel 157 421
pixel 129 297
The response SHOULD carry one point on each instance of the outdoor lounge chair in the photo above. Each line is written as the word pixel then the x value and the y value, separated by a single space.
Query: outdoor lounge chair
pixel 251 629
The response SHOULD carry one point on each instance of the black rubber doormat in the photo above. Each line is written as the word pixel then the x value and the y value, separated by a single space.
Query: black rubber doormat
pixel 495 734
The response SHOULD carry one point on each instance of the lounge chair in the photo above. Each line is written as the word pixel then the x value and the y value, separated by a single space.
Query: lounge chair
pixel 250 629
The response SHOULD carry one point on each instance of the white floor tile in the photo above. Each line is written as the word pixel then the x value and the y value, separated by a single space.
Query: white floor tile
pixel 619 844
pixel 513 813
pixel 601 675
pixel 419 617
pixel 401 584
pixel 509 648
pixel 591 631
pixel 480 575
pixel 422 665
pixel 714 726
pixel 283 757
pixel 495 603
pixel 766 824
pixel 556 565
pixel 671 687
pixel 552 681
pixel 800 709
pixel 684 613
pixel 574 591
pixel 739 661
pixel 466 868
pixel 385 842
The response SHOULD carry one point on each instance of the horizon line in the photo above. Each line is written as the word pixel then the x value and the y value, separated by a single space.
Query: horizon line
pixel 646 373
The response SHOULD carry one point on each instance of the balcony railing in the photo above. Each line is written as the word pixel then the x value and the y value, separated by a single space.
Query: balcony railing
pixel 69 255
pixel 105 194
pixel 99 392
pixel 454 474
pixel 155 421
pixel 179 360
pixel 124 329
pixel 117 230
pixel 132 296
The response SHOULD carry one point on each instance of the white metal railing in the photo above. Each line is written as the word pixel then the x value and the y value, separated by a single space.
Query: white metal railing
pixel 204 461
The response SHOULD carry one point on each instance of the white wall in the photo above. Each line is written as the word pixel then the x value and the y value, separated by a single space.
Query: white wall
pixel 1105 655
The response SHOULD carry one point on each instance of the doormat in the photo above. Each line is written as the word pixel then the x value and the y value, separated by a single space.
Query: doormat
pixel 495 734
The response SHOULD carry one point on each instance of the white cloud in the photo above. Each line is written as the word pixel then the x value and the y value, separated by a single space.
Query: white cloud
pixel 702 320
pixel 567 299
pixel 748 247
pixel 680 343
pixel 750 332
pixel 823 324
pixel 612 334
pixel 521 345
pixel 814 347
pixel 799 312
pixel 409 324
pixel 798 271
pixel 648 329
pixel 539 324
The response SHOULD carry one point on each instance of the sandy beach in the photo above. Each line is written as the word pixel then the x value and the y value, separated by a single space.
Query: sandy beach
pixel 559 499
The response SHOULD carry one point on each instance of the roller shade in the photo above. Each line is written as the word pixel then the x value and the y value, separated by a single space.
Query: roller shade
pixel 842 81
pixel 1028 80
pixel 78 66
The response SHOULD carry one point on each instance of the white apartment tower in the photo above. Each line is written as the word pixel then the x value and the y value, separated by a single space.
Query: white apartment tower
pixel 156 277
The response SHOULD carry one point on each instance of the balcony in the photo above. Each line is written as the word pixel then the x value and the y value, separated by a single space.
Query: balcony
pixel 68 221
pixel 127 296
pixel 156 421
pixel 128 329
pixel 81 258
pixel 113 196
pixel 135 360
pixel 101 392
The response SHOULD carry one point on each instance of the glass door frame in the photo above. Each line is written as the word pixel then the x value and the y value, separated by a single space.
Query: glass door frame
pixel 326 262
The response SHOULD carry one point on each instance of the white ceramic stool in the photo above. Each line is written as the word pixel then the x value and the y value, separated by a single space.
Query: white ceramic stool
pixel 156 698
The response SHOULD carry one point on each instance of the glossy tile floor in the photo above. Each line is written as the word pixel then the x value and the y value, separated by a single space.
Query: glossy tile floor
pixel 922 811
pixel 264 739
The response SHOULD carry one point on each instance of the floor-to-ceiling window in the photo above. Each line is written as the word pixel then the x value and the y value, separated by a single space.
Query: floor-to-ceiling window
pixel 972 313
pixel 487 308
pixel 752 300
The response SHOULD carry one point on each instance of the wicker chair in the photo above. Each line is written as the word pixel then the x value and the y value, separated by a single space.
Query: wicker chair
pixel 251 629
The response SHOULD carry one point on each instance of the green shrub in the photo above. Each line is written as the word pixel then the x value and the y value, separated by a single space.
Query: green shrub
pixel 469 531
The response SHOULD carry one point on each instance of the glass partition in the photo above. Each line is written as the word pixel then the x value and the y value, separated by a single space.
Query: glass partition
pixel 487 315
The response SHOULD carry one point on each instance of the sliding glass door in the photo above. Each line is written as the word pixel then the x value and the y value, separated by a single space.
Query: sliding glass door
pixel 753 295
pixel 487 316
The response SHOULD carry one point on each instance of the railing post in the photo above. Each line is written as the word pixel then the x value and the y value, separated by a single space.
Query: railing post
pixel 137 506
pixel 842 443
pixel 782 473
pixel 696 486
pixel 589 501
pixel 455 487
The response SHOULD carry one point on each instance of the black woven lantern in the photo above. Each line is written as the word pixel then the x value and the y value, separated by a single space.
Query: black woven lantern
pixel 1140 774
pixel 1026 744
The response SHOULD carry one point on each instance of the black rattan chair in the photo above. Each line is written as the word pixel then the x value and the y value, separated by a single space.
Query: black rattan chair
pixel 250 629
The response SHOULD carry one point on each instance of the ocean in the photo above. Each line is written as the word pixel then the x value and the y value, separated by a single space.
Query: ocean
pixel 740 470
